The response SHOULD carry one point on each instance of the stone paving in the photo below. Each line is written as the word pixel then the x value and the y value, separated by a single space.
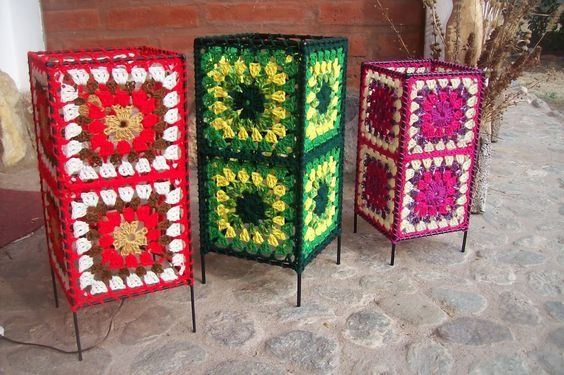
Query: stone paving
pixel 497 309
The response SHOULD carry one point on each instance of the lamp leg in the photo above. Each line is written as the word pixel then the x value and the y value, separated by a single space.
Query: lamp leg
pixel 464 241
pixel 299 298
pixel 393 254
pixel 77 334
pixel 54 287
pixel 203 264
pixel 355 222
pixel 193 308
pixel 339 249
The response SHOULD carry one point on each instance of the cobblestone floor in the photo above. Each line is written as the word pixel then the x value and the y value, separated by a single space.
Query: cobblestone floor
pixel 497 309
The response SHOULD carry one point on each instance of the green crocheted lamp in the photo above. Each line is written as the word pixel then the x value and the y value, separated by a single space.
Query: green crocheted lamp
pixel 269 112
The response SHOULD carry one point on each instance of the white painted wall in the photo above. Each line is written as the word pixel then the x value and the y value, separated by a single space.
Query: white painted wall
pixel 21 30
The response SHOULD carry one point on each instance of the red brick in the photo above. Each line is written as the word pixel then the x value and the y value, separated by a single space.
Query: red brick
pixel 178 42
pixel 164 16
pixel 358 45
pixel 71 20
pixel 254 12
pixel 367 12
pixel 105 42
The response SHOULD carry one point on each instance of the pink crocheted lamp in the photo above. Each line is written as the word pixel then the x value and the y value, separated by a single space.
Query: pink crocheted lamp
pixel 417 136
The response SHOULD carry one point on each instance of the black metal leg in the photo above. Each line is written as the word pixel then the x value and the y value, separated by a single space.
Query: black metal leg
pixel 203 265
pixel 54 287
pixel 77 334
pixel 299 299
pixel 464 241
pixel 393 254
pixel 355 223
pixel 339 249
pixel 193 308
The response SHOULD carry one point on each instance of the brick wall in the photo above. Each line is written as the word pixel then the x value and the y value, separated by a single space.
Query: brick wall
pixel 173 24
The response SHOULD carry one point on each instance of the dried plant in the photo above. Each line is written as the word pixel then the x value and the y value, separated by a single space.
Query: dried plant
pixel 394 29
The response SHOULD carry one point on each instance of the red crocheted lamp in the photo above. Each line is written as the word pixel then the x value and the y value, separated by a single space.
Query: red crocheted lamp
pixel 111 143
pixel 417 137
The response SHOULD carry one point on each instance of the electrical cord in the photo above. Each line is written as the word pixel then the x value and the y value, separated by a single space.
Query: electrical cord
pixel 45 346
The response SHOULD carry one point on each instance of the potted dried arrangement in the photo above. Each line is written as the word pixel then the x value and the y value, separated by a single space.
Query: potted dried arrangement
pixel 493 35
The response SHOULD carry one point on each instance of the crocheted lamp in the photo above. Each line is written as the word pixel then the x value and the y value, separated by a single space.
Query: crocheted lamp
pixel 417 135
pixel 111 133
pixel 270 146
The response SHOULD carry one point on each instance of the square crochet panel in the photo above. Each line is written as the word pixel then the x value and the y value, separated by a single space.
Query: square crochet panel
pixel 418 128
pixel 111 144
pixel 270 138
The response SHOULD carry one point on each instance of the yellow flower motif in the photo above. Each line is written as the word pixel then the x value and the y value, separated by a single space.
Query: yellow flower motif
pixel 242 134
pixel 223 224
pixel 310 234
pixel 317 68
pixel 254 68
pixel 124 125
pixel 129 237
pixel 279 79
pixel 221 180
pixel 310 97
pixel 224 66
pixel 312 81
pixel 257 238
pixel 228 132
pixel 279 220
pixel 271 181
pixel 255 135
pixel 221 210
pixel 245 235
pixel 240 67
pixel 278 233
pixel 257 178
pixel 221 196
pixel 218 92
pixel 243 176
pixel 279 112
pixel 271 68
pixel 230 233
pixel 279 206
pixel 217 76
pixel 279 190
pixel 289 58
pixel 310 113
pixel 279 96
pixel 218 107
pixel 270 137
pixel 272 240
pixel 229 175
pixel 279 130
pixel 219 123
pixel 321 227
pixel 308 203
pixel 308 218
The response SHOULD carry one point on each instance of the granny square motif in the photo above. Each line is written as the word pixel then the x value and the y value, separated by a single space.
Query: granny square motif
pixel 418 131
pixel 270 139
pixel 111 140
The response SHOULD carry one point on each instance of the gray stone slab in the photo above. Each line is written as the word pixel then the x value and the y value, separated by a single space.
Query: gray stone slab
pixel 556 337
pixel 516 308
pixel 229 328
pixel 428 358
pixel 245 368
pixel 521 258
pixel 500 365
pixel 552 363
pixel 546 283
pixel 473 331
pixel 306 350
pixel 459 302
pixel 171 358
pixel 414 309
pixel 555 309
pixel 369 328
